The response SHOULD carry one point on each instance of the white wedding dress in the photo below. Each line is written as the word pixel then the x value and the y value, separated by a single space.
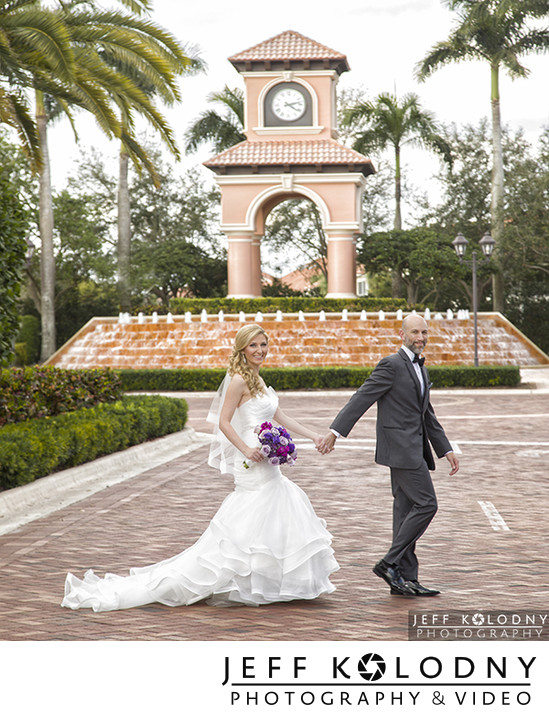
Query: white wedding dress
pixel 264 544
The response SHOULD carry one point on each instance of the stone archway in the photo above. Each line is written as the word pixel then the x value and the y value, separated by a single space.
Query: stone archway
pixel 288 156
pixel 337 206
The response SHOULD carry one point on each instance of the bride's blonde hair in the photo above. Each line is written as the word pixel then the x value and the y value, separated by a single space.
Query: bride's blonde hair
pixel 237 362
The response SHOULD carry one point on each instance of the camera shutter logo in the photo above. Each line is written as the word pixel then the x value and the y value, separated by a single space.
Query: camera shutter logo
pixel 371 667
pixel 478 619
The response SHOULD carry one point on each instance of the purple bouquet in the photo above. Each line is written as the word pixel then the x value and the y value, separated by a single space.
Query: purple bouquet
pixel 276 444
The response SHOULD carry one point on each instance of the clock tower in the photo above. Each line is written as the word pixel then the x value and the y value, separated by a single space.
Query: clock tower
pixel 291 151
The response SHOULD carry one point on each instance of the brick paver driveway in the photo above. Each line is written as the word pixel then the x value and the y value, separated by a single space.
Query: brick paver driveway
pixel 481 558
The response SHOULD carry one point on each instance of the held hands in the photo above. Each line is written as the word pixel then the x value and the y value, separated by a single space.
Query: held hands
pixel 326 443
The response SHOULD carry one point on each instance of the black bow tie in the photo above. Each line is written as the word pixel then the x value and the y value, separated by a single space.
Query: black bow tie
pixel 418 360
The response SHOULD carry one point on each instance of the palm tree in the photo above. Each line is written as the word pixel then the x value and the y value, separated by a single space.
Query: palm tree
pixel 104 43
pixel 496 32
pixel 393 123
pixel 222 130
pixel 390 122
pixel 34 43
pixel 153 86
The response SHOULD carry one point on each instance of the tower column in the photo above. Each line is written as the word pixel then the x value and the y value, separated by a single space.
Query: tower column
pixel 256 265
pixel 242 265
pixel 341 265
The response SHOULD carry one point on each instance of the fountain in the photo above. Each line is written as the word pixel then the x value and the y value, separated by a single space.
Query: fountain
pixel 330 341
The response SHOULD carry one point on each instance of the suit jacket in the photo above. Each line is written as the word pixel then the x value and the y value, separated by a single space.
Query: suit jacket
pixel 406 422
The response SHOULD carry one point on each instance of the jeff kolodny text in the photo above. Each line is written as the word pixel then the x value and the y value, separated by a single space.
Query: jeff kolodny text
pixel 372 678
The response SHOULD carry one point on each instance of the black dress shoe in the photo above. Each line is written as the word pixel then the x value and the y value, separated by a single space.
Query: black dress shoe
pixel 392 576
pixel 418 589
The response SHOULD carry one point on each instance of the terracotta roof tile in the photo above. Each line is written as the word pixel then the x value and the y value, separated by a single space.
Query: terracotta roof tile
pixel 288 152
pixel 287 47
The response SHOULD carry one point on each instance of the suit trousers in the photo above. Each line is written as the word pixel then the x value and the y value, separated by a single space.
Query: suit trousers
pixel 414 507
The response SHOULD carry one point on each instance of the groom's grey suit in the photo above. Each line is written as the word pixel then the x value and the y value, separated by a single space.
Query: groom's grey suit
pixel 406 426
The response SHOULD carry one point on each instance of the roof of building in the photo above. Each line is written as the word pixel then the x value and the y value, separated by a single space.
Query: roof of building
pixel 289 50
pixel 290 155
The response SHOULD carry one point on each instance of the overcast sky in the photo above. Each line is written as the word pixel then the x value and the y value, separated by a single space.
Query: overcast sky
pixel 383 41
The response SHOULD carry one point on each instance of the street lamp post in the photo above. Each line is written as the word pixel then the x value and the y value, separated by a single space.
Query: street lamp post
pixel 487 246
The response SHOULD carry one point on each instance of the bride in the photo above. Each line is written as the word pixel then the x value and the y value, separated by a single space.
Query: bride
pixel 264 544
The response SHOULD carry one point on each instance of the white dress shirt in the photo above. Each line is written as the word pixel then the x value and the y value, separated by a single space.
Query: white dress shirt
pixel 410 354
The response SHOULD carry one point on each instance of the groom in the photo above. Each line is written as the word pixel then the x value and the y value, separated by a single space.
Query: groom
pixel 406 423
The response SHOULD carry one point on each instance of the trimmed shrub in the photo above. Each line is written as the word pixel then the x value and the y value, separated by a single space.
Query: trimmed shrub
pixel 170 379
pixel 282 378
pixel 480 376
pixel 38 447
pixel 36 392
pixel 269 305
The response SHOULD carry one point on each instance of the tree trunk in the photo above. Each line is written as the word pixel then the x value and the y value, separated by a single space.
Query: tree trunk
pixel 412 292
pixel 47 258
pixel 396 279
pixel 496 208
pixel 124 233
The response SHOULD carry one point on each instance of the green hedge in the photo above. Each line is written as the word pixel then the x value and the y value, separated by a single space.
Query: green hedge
pixel 38 447
pixel 310 377
pixel 471 376
pixel 269 305
pixel 35 392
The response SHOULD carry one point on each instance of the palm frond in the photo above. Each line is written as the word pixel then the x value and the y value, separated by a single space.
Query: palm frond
pixel 15 112
pixel 211 127
pixel 37 38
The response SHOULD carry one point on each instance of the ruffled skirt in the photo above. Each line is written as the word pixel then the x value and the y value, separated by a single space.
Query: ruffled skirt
pixel 262 546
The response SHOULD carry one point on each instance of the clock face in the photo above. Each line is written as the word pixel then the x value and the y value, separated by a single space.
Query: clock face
pixel 288 104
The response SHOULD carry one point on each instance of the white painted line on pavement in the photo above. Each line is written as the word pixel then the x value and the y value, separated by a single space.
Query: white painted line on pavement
pixel 358 443
pixel 532 453
pixel 482 417
pixel 493 515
